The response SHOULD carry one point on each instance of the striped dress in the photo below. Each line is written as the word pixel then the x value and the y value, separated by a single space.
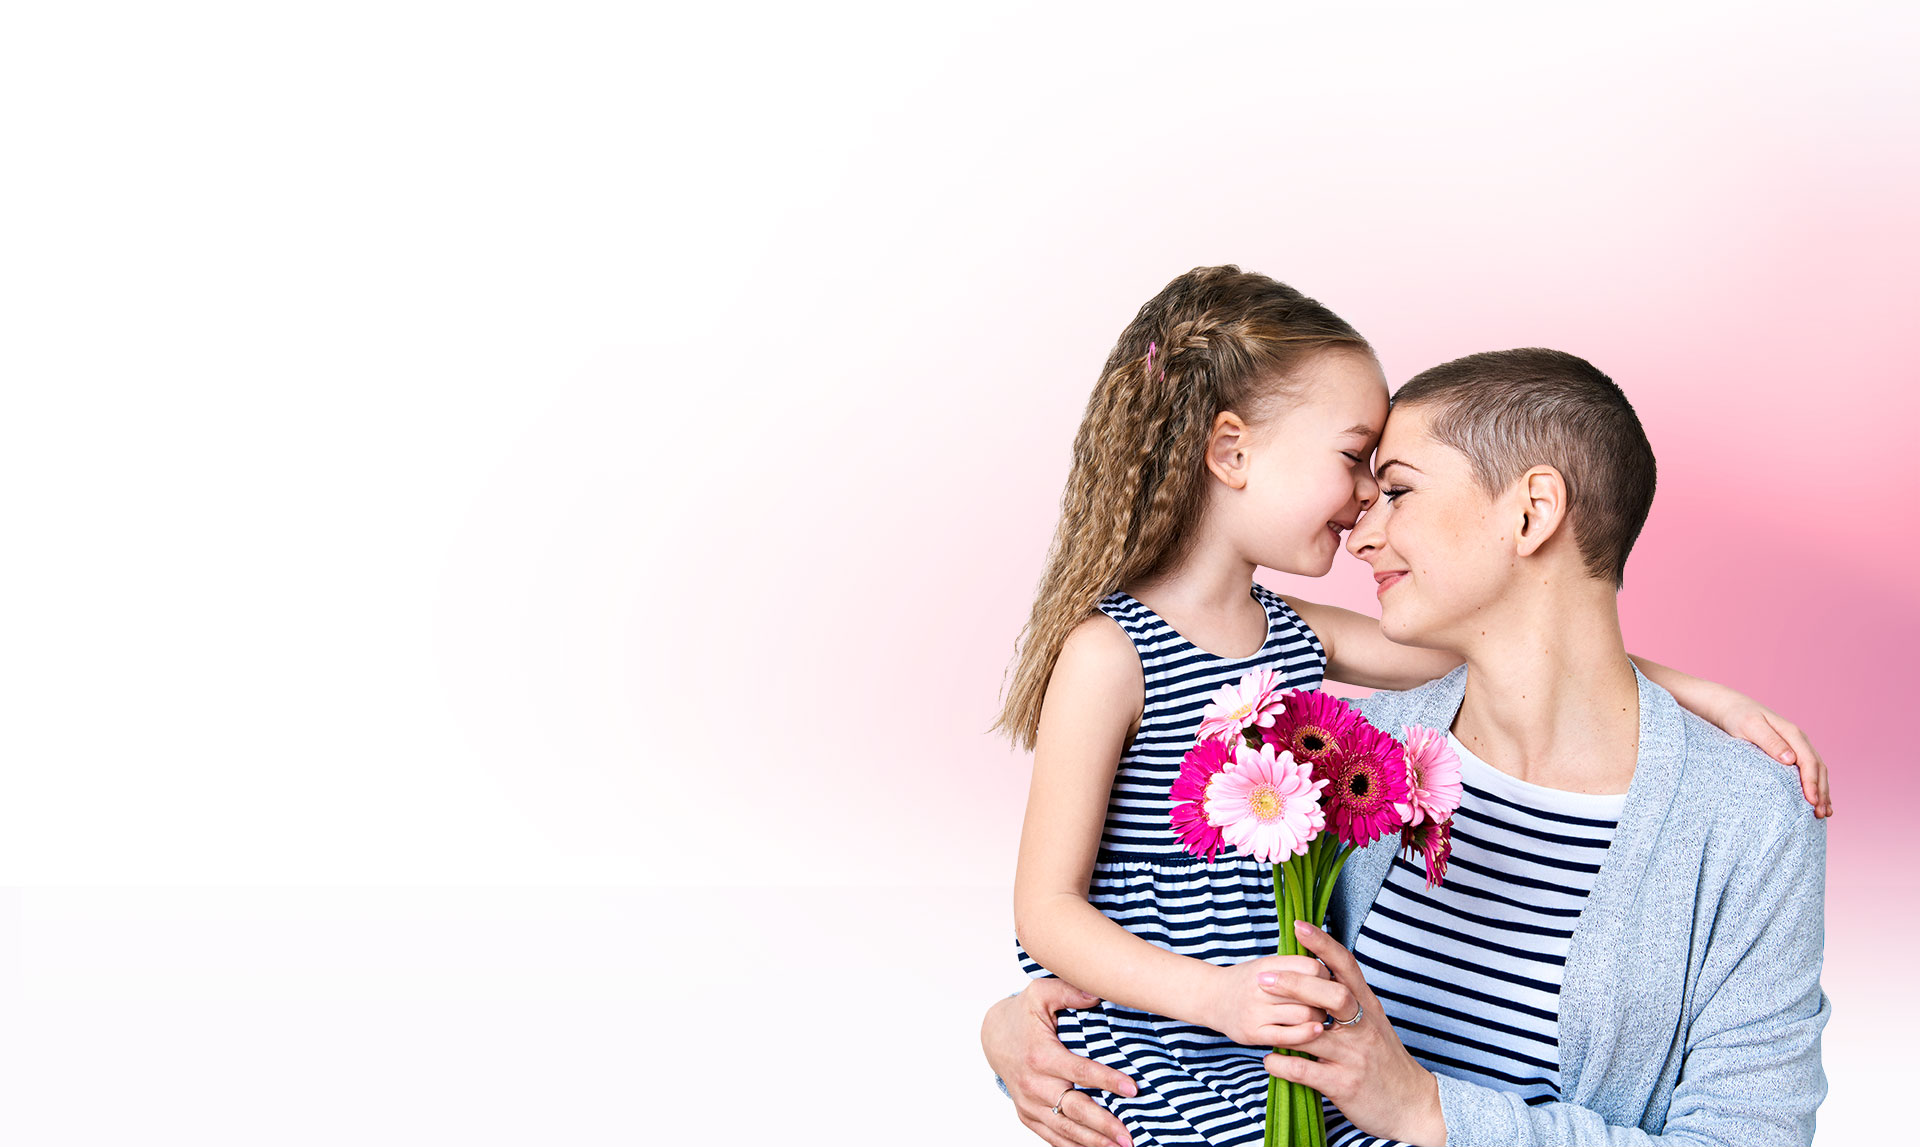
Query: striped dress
pixel 1196 1086
pixel 1470 972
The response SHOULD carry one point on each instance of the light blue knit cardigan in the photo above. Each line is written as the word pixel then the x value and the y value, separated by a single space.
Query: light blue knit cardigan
pixel 1691 1009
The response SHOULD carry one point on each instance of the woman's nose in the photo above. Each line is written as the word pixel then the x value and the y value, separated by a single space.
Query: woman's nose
pixel 1364 536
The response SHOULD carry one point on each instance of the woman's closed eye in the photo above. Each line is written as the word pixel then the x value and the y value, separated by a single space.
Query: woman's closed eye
pixel 1393 492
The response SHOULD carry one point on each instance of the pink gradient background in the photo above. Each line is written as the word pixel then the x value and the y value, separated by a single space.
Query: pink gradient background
pixel 433 489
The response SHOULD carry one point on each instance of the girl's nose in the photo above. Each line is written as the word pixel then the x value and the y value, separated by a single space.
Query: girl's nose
pixel 1366 490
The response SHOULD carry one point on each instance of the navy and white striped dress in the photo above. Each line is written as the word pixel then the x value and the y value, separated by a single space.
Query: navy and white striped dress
pixel 1196 1086
pixel 1469 972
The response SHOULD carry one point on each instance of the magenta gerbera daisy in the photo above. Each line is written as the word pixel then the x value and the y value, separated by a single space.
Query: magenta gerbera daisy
pixel 1313 726
pixel 1432 841
pixel 1198 768
pixel 1369 780
pixel 1267 806
pixel 1239 705
pixel 1433 776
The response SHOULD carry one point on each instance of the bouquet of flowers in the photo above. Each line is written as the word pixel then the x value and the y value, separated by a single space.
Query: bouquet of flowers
pixel 1271 771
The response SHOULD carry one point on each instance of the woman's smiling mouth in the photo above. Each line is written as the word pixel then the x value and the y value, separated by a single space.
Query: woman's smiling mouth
pixel 1384 578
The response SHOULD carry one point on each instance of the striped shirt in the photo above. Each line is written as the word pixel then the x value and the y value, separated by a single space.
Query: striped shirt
pixel 1196 1086
pixel 1469 972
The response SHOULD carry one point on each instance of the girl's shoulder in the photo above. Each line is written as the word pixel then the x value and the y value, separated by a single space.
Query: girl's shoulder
pixel 1097 651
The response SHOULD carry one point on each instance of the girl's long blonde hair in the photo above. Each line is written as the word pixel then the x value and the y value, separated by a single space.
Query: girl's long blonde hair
pixel 1214 339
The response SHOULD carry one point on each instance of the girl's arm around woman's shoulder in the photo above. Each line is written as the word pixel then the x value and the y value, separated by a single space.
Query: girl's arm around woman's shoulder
pixel 1359 653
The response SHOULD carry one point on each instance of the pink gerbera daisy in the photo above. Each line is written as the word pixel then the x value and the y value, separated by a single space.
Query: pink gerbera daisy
pixel 1198 768
pixel 1433 842
pixel 1267 806
pixel 1433 776
pixel 1240 705
pixel 1313 726
pixel 1368 781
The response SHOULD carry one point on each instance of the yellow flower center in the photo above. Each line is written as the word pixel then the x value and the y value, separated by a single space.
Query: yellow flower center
pixel 1266 803
pixel 1242 712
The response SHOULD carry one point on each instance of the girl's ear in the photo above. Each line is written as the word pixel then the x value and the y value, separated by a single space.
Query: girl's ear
pixel 1227 450
pixel 1543 508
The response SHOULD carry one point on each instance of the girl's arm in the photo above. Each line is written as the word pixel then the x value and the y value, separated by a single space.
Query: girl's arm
pixel 1743 717
pixel 1093 700
pixel 1359 653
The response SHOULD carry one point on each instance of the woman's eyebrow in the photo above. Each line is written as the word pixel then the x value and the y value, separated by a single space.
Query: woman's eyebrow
pixel 1382 467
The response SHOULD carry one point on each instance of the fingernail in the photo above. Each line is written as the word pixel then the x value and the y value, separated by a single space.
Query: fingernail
pixel 1302 928
pixel 1787 757
pixel 1268 979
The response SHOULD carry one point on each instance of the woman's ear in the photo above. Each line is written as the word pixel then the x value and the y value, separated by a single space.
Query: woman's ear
pixel 1543 508
pixel 1227 450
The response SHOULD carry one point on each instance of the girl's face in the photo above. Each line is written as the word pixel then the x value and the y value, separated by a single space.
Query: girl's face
pixel 1305 469
pixel 1440 546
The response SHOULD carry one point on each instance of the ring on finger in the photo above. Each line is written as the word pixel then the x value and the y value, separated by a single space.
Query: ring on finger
pixel 1071 1088
pixel 1358 1012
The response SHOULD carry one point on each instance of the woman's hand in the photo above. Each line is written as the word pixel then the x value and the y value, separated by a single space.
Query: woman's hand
pixel 1258 1002
pixel 1363 1067
pixel 1022 1047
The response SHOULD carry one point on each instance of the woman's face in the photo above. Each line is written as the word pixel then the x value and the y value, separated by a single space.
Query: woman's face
pixel 1440 546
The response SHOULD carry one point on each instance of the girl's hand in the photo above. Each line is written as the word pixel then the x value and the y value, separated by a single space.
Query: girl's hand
pixel 1258 1003
pixel 1741 716
pixel 1782 740
pixel 1363 1068
pixel 1019 1039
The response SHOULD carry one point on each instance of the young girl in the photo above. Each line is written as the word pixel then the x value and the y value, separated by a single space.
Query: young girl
pixel 1231 429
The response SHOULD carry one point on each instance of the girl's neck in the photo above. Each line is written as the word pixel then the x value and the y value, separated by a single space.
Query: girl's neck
pixel 1551 696
pixel 1206 599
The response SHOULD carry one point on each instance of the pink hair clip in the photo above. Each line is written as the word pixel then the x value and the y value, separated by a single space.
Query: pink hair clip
pixel 1150 346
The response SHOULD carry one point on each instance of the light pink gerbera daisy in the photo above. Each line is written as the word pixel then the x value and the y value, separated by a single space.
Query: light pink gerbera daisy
pixel 1369 781
pixel 1313 726
pixel 1433 776
pixel 1198 768
pixel 1432 841
pixel 1267 806
pixel 1240 705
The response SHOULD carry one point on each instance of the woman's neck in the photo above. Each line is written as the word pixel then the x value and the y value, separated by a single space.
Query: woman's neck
pixel 1551 696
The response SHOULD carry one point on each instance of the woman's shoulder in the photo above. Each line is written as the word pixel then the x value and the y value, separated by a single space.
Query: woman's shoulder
pixel 1432 704
pixel 1730 782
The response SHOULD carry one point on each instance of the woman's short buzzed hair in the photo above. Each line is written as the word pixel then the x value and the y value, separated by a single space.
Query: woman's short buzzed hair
pixel 1510 410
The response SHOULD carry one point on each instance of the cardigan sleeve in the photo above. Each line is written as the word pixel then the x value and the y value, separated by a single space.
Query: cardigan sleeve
pixel 1751 1070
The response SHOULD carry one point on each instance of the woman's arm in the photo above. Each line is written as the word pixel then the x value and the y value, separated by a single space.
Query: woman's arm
pixel 1751 1072
pixel 1093 699
pixel 1359 653
pixel 1040 1075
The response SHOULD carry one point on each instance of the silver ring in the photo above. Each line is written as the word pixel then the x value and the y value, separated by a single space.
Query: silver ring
pixel 1071 1088
pixel 1358 1011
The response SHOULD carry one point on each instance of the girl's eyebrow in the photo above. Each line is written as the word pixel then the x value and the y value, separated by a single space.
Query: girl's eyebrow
pixel 1360 428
